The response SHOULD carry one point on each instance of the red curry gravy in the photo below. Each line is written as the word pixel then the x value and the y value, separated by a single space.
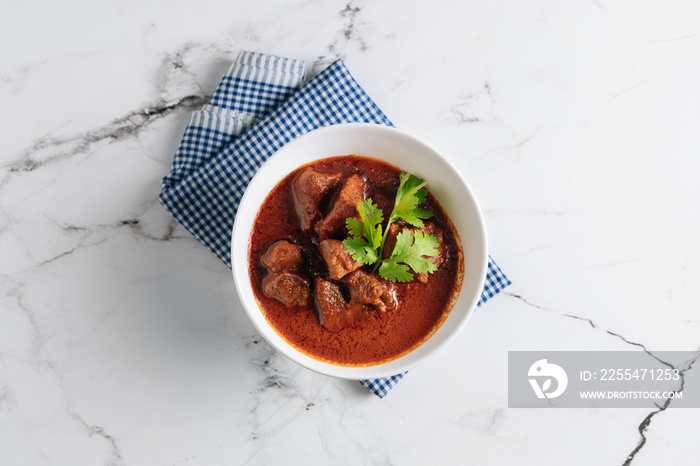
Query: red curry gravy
pixel 382 336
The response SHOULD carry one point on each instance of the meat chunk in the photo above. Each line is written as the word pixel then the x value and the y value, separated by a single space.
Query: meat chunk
pixel 429 228
pixel 282 256
pixel 288 288
pixel 308 189
pixel 366 288
pixel 339 262
pixel 390 242
pixel 334 313
pixel 344 205
pixel 385 204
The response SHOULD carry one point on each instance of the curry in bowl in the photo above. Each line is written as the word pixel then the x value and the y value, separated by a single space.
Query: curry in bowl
pixel 354 262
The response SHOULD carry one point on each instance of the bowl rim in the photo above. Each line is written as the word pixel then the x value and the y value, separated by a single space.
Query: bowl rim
pixel 265 329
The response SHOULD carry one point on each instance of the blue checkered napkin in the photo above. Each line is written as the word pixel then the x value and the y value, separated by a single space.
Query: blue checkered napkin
pixel 381 387
pixel 254 85
pixel 258 107
pixel 217 157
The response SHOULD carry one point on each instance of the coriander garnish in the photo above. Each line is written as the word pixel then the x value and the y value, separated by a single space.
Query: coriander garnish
pixel 366 241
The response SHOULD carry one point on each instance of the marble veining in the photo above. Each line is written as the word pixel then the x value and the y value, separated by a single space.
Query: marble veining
pixel 48 149
pixel 682 369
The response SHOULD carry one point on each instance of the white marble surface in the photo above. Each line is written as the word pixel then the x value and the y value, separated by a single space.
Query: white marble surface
pixel 122 341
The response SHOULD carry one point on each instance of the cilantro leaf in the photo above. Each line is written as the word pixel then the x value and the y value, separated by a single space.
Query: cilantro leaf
pixel 410 251
pixel 366 233
pixel 355 226
pixel 411 194
pixel 360 250
pixel 413 249
pixel 395 272
pixel 372 217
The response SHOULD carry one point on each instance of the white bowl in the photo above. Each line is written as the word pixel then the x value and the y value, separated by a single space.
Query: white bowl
pixel 407 153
